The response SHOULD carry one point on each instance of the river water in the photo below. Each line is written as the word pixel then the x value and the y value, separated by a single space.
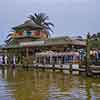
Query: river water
pixel 47 85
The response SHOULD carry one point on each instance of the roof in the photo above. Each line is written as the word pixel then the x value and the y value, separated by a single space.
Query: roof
pixel 50 42
pixel 27 24
pixel 65 40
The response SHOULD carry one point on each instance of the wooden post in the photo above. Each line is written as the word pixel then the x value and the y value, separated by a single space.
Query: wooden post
pixel 70 69
pixel 27 56
pixel 53 65
pixel 61 63
pixel 87 54
pixel 27 51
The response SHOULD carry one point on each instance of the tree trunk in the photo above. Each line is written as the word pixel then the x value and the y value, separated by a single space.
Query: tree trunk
pixel 87 54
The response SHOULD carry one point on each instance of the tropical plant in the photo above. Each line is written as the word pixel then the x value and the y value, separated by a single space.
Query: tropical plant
pixel 95 41
pixel 98 35
pixel 38 19
pixel 42 20
pixel 9 38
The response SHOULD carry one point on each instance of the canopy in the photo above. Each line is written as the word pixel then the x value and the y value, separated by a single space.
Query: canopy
pixel 51 53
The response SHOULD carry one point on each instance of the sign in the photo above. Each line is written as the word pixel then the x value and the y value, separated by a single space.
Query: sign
pixel 30 33
pixel 35 43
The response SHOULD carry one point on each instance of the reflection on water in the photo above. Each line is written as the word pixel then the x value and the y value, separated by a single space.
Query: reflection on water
pixel 46 85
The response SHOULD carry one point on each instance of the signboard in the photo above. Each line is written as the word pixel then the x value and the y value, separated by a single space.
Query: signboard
pixel 35 43
pixel 30 33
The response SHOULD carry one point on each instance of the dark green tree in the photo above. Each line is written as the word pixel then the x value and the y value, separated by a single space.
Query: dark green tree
pixel 9 38
pixel 42 20
pixel 98 35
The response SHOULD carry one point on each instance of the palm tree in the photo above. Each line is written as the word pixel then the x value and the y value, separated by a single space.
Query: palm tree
pixel 9 38
pixel 42 20
pixel 38 22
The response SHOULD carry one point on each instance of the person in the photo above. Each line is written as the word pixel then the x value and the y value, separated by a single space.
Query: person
pixel 1 59
pixel 14 62
pixel 5 58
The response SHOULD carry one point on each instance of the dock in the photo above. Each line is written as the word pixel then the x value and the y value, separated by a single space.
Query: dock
pixel 93 70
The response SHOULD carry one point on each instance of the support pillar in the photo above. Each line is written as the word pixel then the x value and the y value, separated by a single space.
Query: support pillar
pixel 27 52
pixel 27 56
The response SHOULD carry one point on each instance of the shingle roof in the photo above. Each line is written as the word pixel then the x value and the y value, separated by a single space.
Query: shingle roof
pixel 27 24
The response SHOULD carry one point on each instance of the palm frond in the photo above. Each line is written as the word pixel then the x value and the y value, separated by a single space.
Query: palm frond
pixel 8 40
pixel 42 20
pixel 48 28
pixel 32 18
pixel 44 17
pixel 49 24
pixel 36 15
pixel 9 35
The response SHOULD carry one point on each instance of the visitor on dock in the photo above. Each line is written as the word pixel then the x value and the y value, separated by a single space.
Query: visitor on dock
pixel 5 58
pixel 1 59
pixel 14 62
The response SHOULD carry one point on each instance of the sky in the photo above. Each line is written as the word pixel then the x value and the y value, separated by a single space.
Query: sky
pixel 70 17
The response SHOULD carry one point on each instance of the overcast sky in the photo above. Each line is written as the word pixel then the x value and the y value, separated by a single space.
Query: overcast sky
pixel 70 17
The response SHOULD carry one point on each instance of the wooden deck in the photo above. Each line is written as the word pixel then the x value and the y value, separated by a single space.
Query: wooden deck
pixel 94 70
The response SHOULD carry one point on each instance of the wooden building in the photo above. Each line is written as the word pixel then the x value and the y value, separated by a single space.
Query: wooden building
pixel 28 49
pixel 27 40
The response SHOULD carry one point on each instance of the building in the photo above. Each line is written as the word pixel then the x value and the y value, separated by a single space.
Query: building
pixel 28 49
pixel 28 40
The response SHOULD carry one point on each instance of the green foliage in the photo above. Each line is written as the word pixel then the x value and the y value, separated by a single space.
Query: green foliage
pixel 94 41
pixel 98 34
pixel 39 19
pixel 42 20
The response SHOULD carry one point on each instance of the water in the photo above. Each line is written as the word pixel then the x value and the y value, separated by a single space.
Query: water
pixel 46 85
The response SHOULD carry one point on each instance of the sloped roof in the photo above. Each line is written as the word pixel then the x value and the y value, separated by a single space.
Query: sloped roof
pixel 52 42
pixel 27 24
pixel 65 40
